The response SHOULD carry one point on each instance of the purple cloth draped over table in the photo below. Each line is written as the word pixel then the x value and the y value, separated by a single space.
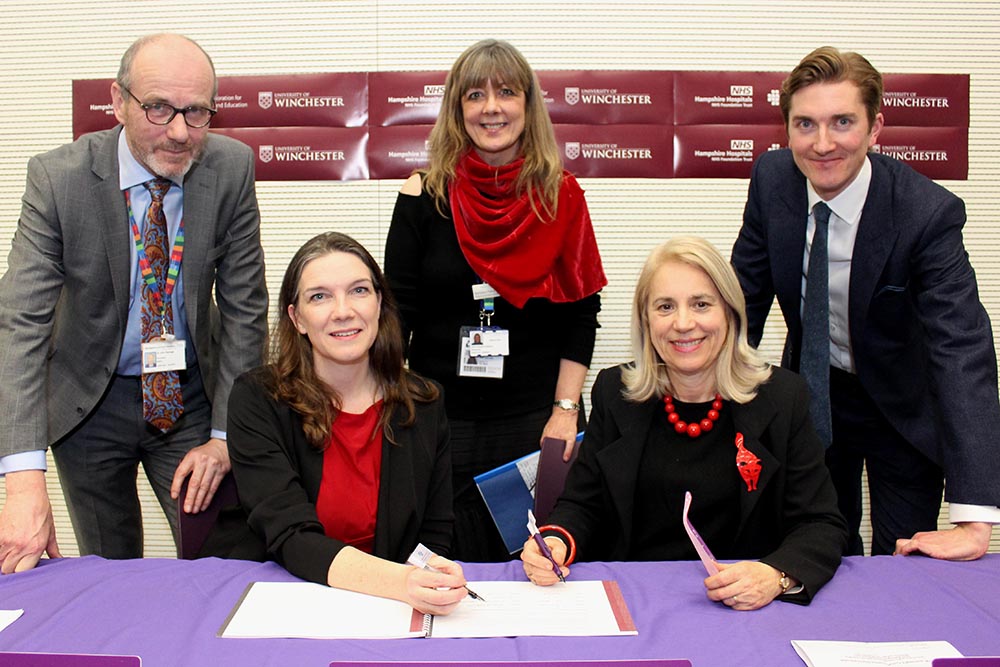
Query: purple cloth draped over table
pixel 169 611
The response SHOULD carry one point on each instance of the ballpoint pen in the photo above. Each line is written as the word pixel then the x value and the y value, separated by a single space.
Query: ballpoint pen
pixel 419 558
pixel 533 529
pixel 472 594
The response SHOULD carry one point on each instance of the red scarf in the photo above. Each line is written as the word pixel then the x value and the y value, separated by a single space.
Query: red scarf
pixel 511 248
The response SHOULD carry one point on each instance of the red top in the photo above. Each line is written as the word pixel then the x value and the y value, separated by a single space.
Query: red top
pixel 348 491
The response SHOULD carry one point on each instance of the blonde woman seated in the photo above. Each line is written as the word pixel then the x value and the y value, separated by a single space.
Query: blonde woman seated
pixel 699 411
pixel 340 455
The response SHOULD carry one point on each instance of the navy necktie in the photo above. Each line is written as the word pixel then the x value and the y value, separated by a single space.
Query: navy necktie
pixel 814 364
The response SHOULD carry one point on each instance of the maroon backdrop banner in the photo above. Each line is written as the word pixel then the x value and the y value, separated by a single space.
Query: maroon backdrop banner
pixel 722 151
pixel 572 97
pixel 405 98
pixel 394 152
pixel 286 100
pixel 727 98
pixel 617 151
pixel 306 153
pixel 608 98
pixel 293 100
pixel 609 124
pixel 920 100
pixel 936 152
pixel 92 109
pixel 600 151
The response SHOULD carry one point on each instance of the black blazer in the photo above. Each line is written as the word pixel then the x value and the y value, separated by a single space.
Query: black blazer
pixel 278 477
pixel 921 339
pixel 790 521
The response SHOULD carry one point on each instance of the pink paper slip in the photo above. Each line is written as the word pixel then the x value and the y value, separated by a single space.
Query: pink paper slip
pixel 707 559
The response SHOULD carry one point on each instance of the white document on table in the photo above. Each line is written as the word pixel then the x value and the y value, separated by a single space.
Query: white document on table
pixel 522 609
pixel 8 616
pixel 817 653
pixel 313 611
pixel 509 609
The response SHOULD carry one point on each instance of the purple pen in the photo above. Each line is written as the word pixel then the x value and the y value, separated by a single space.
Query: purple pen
pixel 533 529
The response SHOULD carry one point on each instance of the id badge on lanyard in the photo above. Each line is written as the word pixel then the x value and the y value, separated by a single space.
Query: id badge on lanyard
pixel 167 352
pixel 481 349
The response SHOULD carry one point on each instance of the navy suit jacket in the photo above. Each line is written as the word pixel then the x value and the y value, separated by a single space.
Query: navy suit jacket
pixel 921 339
pixel 64 298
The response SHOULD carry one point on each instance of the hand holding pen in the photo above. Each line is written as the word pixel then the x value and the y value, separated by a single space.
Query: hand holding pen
pixel 536 546
pixel 420 558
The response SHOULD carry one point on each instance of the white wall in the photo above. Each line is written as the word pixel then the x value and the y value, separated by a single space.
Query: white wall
pixel 45 44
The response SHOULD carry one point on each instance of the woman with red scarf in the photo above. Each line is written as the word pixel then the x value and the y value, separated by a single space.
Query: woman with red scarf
pixel 494 238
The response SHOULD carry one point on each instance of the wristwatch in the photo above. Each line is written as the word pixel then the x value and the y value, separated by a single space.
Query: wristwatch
pixel 567 404
pixel 784 582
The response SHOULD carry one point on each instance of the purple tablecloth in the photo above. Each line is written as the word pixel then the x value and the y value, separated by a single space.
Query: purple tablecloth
pixel 168 612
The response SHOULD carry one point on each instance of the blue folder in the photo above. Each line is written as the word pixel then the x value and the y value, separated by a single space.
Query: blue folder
pixel 509 496
pixel 510 490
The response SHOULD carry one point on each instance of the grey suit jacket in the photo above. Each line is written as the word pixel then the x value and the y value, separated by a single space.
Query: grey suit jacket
pixel 921 339
pixel 64 298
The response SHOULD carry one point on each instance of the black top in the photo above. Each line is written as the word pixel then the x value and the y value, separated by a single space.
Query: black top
pixel 432 282
pixel 673 463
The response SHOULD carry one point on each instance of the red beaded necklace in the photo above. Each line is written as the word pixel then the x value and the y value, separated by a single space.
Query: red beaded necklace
pixel 693 429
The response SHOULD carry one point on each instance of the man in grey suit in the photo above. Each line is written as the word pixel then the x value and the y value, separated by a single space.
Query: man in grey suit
pixel 904 351
pixel 74 304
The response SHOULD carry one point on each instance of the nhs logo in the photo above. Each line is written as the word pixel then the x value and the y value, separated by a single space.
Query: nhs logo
pixel 741 144
pixel 741 91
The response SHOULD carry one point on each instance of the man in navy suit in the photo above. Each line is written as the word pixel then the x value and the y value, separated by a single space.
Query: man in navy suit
pixel 913 375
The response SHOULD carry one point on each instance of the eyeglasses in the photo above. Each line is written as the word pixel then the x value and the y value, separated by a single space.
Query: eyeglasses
pixel 161 113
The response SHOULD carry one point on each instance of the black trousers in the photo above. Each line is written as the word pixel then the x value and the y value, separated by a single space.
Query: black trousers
pixel 98 464
pixel 904 486
pixel 476 447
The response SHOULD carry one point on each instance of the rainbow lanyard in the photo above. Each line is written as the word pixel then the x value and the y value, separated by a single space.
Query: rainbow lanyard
pixel 147 271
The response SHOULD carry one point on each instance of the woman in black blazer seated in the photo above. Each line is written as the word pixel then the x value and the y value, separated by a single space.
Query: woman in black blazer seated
pixel 341 455
pixel 700 411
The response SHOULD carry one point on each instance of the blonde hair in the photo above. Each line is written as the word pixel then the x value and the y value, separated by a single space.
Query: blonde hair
pixel 739 370
pixel 496 61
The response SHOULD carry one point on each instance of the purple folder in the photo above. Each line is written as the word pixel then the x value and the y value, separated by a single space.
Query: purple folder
pixel 67 660
pixel 551 477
